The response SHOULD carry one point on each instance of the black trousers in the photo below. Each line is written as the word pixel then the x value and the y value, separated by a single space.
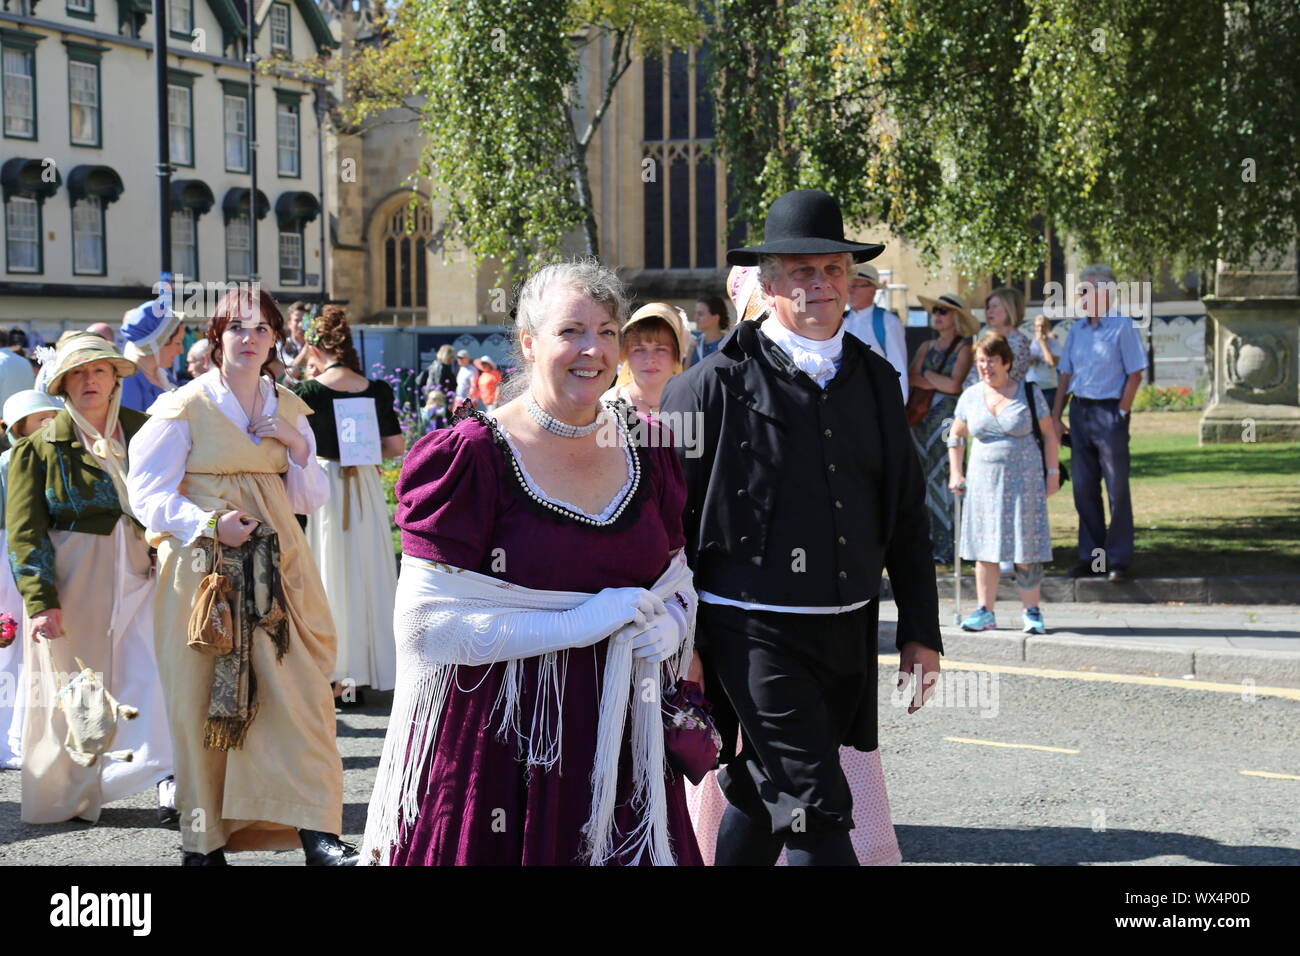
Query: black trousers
pixel 795 683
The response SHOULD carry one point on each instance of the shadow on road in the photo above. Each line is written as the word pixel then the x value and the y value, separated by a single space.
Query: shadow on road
pixel 1074 846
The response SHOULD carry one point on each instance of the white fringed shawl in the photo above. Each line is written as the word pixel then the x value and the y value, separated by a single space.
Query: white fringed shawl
pixel 441 614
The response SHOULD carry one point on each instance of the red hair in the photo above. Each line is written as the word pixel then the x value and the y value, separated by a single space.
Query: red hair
pixel 233 305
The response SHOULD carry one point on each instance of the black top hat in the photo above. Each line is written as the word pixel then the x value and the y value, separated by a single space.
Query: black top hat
pixel 804 222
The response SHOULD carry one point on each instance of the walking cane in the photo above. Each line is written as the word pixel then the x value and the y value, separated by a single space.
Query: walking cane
pixel 956 556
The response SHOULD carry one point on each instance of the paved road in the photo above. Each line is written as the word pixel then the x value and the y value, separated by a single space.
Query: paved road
pixel 1155 776
pixel 127 831
pixel 1152 774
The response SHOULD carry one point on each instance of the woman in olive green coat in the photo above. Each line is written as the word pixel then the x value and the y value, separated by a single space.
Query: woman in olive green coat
pixel 83 569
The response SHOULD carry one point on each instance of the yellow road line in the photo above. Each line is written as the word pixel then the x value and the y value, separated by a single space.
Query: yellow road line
pixel 1271 776
pixel 996 743
pixel 1286 693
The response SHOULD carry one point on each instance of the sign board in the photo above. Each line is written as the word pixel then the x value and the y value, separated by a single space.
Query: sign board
pixel 357 425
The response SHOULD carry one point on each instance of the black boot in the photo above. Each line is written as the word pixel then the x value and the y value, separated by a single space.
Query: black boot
pixel 216 858
pixel 326 849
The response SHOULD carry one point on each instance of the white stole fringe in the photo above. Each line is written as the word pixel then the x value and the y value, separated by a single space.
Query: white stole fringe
pixel 440 609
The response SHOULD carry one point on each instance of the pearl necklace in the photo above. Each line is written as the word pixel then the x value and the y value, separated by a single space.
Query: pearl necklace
pixel 568 512
pixel 557 427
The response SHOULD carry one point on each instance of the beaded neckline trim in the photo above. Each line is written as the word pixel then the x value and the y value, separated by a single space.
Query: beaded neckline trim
pixel 577 516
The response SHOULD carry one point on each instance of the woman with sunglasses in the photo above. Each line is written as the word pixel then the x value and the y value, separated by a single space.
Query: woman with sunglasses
pixel 939 368
pixel 1004 311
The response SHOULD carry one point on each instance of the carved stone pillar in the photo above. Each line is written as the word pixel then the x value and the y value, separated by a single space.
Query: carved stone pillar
pixel 1255 361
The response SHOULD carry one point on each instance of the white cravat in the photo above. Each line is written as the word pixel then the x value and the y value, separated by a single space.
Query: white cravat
pixel 819 359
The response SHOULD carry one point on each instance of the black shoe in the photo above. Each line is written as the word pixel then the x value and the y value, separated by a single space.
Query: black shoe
pixel 1118 572
pixel 326 849
pixel 216 858
pixel 1081 570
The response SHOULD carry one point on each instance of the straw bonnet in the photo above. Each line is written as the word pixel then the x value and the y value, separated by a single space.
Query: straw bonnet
pixel 967 324
pixel 82 349
pixel 676 321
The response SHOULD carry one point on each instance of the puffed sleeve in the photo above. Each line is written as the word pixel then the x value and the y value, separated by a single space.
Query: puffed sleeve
pixel 447 495
pixel 385 410
pixel 307 486
pixel 31 552
pixel 157 456
pixel 670 487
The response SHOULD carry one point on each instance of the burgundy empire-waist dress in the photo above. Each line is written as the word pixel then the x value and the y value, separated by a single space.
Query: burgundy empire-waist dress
pixel 462 502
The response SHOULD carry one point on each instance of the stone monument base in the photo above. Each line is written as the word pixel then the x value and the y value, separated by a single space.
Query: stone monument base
pixel 1231 423
pixel 1254 396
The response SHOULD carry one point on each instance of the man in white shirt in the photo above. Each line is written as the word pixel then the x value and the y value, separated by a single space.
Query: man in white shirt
pixel 870 322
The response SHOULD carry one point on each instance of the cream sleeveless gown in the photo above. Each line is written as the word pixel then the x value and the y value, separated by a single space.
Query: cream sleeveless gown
pixel 288 773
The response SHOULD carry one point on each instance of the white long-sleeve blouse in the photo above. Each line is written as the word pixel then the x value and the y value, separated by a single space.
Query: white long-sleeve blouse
pixel 160 448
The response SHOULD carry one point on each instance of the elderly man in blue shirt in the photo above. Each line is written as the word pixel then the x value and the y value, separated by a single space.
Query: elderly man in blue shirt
pixel 1101 368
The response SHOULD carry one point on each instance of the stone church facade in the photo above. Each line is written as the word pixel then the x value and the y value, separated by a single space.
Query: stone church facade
pixel 668 238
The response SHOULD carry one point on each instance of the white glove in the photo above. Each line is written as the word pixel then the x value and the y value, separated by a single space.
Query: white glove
pixel 533 633
pixel 662 638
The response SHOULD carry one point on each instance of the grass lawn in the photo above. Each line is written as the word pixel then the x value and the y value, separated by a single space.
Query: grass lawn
pixel 1221 509
pixel 1218 509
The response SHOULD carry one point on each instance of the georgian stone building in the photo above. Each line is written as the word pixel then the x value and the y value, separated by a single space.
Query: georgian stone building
pixel 78 153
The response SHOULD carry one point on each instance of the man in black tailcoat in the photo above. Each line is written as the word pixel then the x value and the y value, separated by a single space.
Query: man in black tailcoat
pixel 802 486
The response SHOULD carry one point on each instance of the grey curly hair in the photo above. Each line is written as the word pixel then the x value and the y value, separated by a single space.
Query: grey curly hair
pixel 585 276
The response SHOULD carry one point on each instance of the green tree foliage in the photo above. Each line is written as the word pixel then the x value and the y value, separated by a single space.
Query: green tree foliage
pixel 494 87
pixel 1146 130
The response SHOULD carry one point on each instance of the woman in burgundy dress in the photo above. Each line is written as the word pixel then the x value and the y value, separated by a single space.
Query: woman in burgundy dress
pixel 541 583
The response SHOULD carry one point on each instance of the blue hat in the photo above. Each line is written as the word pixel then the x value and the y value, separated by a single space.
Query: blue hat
pixel 149 325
